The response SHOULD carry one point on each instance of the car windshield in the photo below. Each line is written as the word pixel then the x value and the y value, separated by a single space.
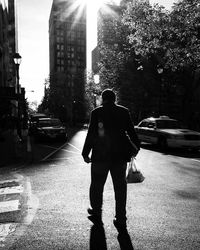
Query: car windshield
pixel 167 124
pixel 49 123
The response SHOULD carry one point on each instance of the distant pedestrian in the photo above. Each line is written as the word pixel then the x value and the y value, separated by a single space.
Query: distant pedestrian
pixel 106 138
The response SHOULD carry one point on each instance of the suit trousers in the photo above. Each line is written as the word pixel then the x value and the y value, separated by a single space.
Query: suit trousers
pixel 99 173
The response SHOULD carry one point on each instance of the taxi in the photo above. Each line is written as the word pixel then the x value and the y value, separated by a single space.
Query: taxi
pixel 167 132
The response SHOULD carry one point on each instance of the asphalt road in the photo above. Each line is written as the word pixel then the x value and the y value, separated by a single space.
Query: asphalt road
pixel 163 211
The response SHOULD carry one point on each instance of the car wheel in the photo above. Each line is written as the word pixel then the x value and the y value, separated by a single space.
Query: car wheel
pixel 162 142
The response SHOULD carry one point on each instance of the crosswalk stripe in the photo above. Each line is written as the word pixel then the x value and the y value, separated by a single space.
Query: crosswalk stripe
pixel 9 206
pixel 8 198
pixel 11 190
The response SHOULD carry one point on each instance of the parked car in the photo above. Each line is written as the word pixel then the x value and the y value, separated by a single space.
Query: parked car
pixel 49 128
pixel 33 119
pixel 167 132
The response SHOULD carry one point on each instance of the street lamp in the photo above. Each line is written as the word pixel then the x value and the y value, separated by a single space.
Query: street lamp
pixel 160 72
pixel 17 60
pixel 96 81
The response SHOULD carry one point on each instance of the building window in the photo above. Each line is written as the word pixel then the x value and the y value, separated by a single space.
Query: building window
pixel 59 39
pixel 60 68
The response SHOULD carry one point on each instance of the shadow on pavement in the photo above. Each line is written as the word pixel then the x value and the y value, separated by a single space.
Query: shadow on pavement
pixel 124 240
pixel 97 238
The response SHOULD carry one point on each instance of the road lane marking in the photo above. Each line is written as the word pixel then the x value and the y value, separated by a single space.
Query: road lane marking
pixel 60 148
pixel 63 158
pixel 69 151
pixel 52 153
pixel 195 160
pixel 74 147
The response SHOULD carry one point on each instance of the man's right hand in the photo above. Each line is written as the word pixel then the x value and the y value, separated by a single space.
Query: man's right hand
pixel 87 159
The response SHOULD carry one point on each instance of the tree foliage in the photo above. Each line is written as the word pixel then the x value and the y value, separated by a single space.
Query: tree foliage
pixel 149 37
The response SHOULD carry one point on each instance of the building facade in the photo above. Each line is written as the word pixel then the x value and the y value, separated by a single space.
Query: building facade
pixel 7 67
pixel 67 49
pixel 7 43
pixel 13 110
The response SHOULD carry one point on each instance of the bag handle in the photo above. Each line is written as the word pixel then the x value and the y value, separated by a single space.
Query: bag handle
pixel 132 164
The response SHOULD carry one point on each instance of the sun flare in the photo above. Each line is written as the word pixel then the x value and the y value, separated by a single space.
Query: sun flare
pixel 93 4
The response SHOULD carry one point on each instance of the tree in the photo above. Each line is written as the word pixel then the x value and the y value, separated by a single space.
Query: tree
pixel 123 67
pixel 92 92
pixel 169 40
pixel 44 106
pixel 183 54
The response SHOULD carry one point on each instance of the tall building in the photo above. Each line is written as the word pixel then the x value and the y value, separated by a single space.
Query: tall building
pixel 105 21
pixel 12 41
pixel 106 16
pixel 67 47
pixel 13 115
pixel 7 50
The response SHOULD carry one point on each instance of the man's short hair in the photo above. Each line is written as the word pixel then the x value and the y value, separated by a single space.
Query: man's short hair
pixel 108 95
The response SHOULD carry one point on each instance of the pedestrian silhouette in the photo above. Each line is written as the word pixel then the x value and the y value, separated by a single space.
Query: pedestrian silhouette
pixel 109 136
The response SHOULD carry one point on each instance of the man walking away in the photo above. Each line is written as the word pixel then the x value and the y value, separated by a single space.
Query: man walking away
pixel 106 138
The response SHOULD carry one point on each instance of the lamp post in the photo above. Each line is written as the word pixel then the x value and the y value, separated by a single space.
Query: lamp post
pixel 96 81
pixel 17 60
pixel 160 72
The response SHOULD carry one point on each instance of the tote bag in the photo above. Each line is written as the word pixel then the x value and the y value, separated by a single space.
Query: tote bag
pixel 134 175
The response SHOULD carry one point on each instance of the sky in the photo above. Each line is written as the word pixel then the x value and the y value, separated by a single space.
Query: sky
pixel 33 41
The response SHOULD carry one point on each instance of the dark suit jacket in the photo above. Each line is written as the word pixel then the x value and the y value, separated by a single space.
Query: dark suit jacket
pixel 109 126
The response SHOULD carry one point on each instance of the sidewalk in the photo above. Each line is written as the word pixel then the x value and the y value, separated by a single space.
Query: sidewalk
pixel 14 204
pixel 13 151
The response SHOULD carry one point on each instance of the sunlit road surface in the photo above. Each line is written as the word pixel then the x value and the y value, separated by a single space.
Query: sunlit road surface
pixel 163 211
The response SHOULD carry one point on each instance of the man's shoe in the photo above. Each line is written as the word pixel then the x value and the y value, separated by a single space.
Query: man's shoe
pixel 120 226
